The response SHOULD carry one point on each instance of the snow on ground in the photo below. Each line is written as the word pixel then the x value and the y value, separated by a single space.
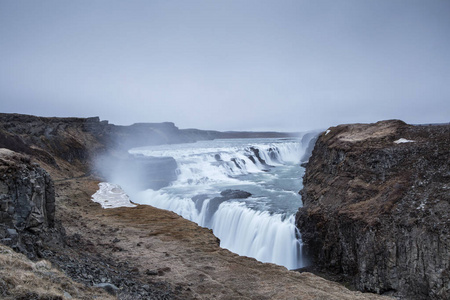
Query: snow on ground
pixel 327 132
pixel 111 195
pixel 402 140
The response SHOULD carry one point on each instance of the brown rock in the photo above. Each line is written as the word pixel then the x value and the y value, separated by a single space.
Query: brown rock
pixel 377 207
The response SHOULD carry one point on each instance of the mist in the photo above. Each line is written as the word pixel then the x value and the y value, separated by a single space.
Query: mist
pixel 135 174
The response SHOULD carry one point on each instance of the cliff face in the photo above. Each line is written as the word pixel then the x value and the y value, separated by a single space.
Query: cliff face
pixel 27 195
pixel 377 207
pixel 66 144
pixel 27 205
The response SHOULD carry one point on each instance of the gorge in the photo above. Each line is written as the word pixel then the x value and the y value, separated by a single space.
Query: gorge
pixel 352 195
pixel 245 190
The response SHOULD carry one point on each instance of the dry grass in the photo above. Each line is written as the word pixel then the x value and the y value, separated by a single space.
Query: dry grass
pixel 21 278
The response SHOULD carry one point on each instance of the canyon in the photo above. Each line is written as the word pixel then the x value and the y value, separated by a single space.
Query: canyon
pixel 375 211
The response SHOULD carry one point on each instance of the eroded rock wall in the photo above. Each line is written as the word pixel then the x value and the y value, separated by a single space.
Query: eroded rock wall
pixel 377 207
pixel 27 196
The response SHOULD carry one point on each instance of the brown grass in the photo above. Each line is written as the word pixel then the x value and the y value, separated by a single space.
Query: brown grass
pixel 21 278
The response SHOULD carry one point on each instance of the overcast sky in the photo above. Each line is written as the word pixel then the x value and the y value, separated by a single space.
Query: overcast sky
pixel 227 65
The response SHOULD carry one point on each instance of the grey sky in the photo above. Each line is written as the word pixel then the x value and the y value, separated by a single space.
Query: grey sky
pixel 227 65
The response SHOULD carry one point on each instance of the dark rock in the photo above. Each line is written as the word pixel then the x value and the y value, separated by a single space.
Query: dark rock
pixel 151 272
pixel 7 241
pixel 27 206
pixel 235 161
pixel 162 271
pixel 198 200
pixel 26 193
pixel 12 233
pixel 257 156
pixel 377 211
pixel 274 154
pixel 235 194
pixel 108 287
pixel 215 202
pixel 103 272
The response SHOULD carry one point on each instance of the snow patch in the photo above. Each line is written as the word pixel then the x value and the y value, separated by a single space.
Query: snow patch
pixel 327 132
pixel 111 195
pixel 402 140
pixel 6 152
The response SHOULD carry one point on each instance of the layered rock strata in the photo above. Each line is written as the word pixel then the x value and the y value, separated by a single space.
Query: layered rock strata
pixel 377 207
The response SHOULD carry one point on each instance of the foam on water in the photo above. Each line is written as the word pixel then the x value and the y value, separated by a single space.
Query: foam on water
pixel 266 237
pixel 261 226
pixel 245 231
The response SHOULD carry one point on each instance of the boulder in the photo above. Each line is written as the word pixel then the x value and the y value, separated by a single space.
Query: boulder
pixel 234 194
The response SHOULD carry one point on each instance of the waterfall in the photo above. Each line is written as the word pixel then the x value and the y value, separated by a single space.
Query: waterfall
pixel 268 238
pixel 260 226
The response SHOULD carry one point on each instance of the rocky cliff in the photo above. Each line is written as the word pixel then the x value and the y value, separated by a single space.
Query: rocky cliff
pixel 27 195
pixel 377 207
pixel 67 144
pixel 27 204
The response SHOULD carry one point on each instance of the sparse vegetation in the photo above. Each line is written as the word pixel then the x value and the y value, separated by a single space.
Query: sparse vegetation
pixel 21 278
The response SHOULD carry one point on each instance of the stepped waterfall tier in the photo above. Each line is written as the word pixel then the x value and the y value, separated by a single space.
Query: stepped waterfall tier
pixel 245 190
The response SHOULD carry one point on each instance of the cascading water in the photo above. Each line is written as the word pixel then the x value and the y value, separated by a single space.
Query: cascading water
pixel 260 225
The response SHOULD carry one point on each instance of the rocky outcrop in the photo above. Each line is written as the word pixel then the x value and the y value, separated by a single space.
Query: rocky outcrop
pixel 27 205
pixel 67 144
pixel 234 194
pixel 27 195
pixel 377 207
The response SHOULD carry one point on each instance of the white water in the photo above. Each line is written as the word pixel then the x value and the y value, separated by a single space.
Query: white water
pixel 261 226
pixel 268 238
